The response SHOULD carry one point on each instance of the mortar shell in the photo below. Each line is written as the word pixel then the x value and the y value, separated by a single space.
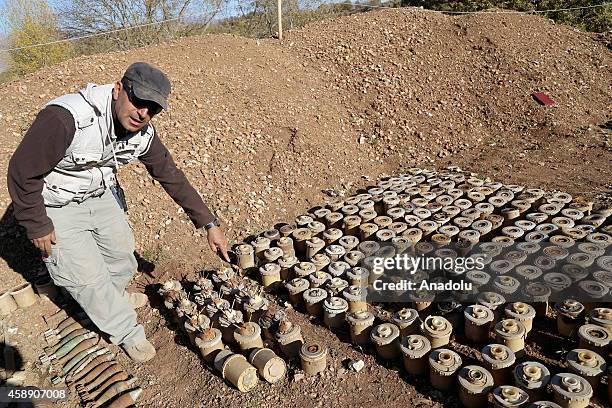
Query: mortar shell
pixel 511 333
pixel 66 339
pixel 94 369
pixel 443 366
pixel 105 374
pixel 587 364
pixel 356 298
pixel 24 295
pixel 508 396
pixel 210 342
pixel 313 299
pixel 521 312
pixel 437 330
pixel 385 338
pixel 246 256
pixel 313 357
pixel 474 385
pixel 571 391
pixel 334 312
pixel 99 393
pixel 532 377
pixel 269 366
pixel 270 275
pixel 295 288
pixel 478 320
pixel 499 359
pixel 80 346
pixel 126 400
pixel 290 340
pixel 407 320
pixel 415 350
pixel 7 303
pixel 595 338
pixel 360 323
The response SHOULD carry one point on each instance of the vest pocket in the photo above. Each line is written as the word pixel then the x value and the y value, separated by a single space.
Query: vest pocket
pixel 85 160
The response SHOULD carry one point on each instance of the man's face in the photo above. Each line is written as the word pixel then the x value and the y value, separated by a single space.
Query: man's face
pixel 131 112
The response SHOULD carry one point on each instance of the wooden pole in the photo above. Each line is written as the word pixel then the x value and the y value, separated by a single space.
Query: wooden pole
pixel 280 19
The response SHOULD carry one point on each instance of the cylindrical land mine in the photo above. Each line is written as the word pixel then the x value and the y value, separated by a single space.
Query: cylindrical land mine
pixel 320 261
pixel 334 220
pixel 313 357
pixel 313 299
pixel 334 312
pixel 367 231
pixel 272 234
pixel 209 342
pixel 601 316
pixel 24 295
pixel 570 315
pixel 360 324
pixel 493 301
pixel 7 303
pixel 319 279
pixel 313 246
pixel 437 330
pixel 289 338
pixel 415 350
pixel 335 286
pixel 300 236
pixel 286 263
pixel 407 320
pixel 508 396
pixel 594 338
pixel 443 366
pixel 521 312
pixel 320 214
pixel 338 269
pixel 350 225
pixel 270 275
pixel 571 390
pixel 235 369
pixel 316 228
pixel 478 320
pixel 385 338
pixel 349 210
pixel 356 298
pixel 260 244
pixel 402 245
pixel 246 256
pixel 248 336
pixel 358 276
pixel 270 367
pixel 334 252
pixel 368 248
pixel 532 377
pixel 303 269
pixel 287 229
pixel 272 254
pixel 302 221
pixel 537 294
pixel 45 288
pixel 349 243
pixel 543 404
pixel 367 215
pixel 511 333
pixel 592 292
pixel 295 289
pixel 505 285
pixel 474 385
pixel 587 364
pixel 499 359
pixel 421 299
pixel 286 245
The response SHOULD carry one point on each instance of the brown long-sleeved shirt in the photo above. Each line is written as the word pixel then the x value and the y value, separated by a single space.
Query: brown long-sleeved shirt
pixel 45 144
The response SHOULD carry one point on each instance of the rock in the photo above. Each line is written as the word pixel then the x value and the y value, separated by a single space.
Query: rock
pixel 356 365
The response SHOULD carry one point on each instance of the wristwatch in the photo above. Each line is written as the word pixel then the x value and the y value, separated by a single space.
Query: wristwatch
pixel 213 223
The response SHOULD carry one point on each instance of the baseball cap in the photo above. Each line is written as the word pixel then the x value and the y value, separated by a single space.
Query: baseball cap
pixel 149 83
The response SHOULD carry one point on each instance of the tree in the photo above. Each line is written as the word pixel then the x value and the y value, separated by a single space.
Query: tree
pixel 28 23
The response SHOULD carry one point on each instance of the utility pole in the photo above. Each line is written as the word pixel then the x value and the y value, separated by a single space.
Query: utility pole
pixel 280 19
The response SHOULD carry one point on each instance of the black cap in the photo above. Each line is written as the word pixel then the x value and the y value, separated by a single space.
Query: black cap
pixel 148 83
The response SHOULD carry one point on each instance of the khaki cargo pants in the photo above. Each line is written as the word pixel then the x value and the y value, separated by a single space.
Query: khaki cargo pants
pixel 93 259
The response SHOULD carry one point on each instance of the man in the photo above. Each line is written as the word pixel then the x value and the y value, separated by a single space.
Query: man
pixel 62 182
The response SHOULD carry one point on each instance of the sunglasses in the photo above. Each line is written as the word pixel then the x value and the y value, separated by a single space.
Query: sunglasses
pixel 152 107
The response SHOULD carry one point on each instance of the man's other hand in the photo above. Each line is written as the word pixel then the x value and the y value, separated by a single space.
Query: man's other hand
pixel 44 243
pixel 218 242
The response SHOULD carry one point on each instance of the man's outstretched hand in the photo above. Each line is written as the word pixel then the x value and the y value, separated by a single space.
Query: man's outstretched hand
pixel 218 242
pixel 44 244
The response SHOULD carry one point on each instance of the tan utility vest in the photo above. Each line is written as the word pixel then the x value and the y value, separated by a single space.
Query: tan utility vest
pixel 88 167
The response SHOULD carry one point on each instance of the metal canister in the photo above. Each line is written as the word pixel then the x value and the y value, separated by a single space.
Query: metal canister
pixel 587 364
pixel 210 343
pixel 356 297
pixel 521 312
pixel 595 338
pixel 270 367
pixel 295 288
pixel 236 369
